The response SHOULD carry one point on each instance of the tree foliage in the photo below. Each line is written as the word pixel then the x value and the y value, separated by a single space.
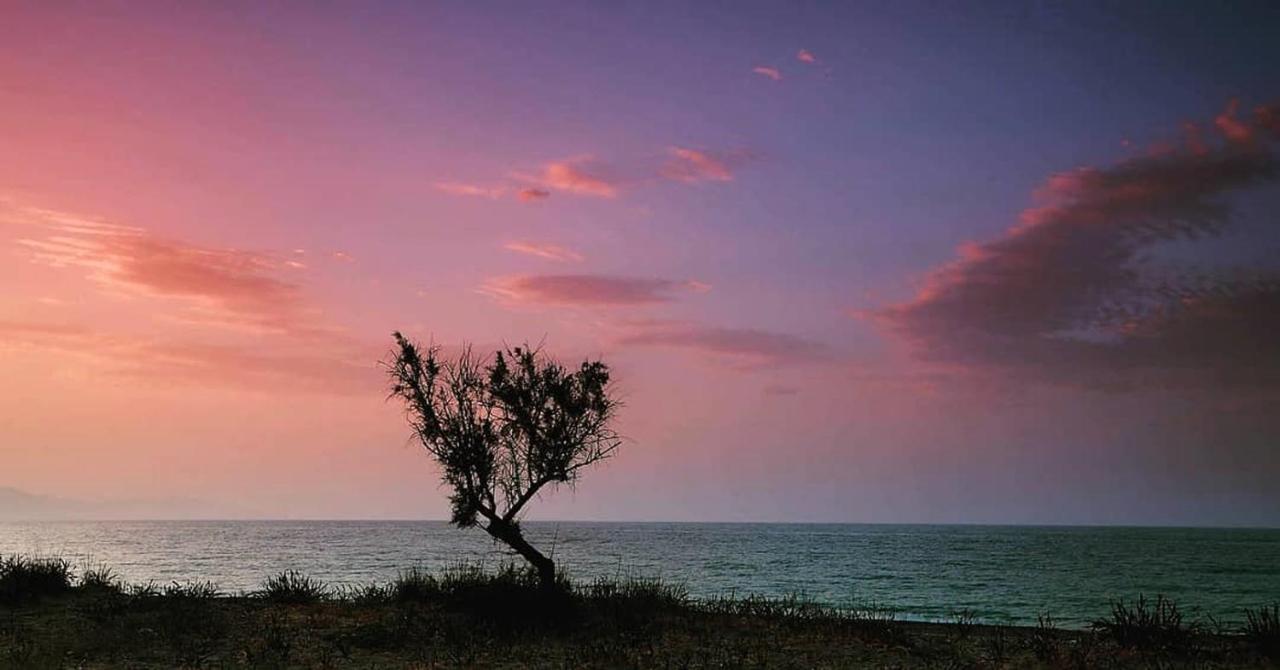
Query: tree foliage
pixel 505 428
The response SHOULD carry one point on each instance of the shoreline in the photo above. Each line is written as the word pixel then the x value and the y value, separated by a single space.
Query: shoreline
pixel 469 617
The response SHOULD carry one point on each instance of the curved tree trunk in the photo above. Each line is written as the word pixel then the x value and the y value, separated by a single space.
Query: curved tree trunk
pixel 509 534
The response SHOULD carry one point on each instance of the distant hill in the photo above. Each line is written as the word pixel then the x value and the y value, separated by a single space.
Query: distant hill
pixel 17 505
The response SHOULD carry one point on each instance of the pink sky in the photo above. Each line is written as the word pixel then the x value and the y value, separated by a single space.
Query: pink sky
pixel 824 297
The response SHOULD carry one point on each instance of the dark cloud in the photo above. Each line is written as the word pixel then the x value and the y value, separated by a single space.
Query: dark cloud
pixel 1068 295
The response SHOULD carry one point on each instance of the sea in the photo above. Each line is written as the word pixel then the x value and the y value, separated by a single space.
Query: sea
pixel 995 574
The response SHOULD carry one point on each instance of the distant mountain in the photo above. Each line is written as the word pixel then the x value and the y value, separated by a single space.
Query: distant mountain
pixel 16 505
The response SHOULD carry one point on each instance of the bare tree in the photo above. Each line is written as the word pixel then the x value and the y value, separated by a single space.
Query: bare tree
pixel 505 428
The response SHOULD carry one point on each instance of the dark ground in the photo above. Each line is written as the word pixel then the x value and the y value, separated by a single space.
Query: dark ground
pixel 104 630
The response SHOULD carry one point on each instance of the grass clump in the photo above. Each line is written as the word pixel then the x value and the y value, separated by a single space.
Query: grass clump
pixel 1045 639
pixel 414 585
pixel 1145 624
pixel 100 578
pixel 508 598
pixel 191 591
pixel 646 594
pixel 293 588
pixel 28 579
pixel 1262 628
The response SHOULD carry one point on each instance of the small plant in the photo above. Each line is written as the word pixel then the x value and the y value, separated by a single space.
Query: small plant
pixel 100 579
pixel 511 597
pixel 963 623
pixel 1045 640
pixel 191 591
pixel 1146 625
pixel 646 593
pixel 414 585
pixel 996 647
pixel 1262 628
pixel 364 594
pixel 26 579
pixel 292 587
pixel 148 590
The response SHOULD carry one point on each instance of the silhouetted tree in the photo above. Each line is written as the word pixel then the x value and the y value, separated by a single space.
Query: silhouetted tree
pixel 505 428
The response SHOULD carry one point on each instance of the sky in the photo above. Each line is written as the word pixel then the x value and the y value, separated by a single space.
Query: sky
pixel 853 262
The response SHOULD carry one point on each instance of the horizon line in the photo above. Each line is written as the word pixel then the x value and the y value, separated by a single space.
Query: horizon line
pixel 954 524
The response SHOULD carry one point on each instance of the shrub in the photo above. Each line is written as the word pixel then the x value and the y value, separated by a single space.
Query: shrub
pixel 1145 625
pixel 1262 628
pixel 649 594
pixel 414 585
pixel 365 594
pixel 792 606
pixel 1045 639
pixel 509 598
pixel 191 591
pixel 292 587
pixel 26 579
pixel 148 590
pixel 101 578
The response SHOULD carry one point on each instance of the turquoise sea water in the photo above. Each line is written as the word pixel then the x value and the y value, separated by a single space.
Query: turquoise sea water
pixel 1002 573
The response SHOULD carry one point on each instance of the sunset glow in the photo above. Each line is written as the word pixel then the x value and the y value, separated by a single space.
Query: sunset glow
pixel 903 266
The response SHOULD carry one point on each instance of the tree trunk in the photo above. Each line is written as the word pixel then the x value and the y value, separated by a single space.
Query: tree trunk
pixel 509 534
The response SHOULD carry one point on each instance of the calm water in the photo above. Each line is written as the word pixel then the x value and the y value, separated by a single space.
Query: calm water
pixel 1003 574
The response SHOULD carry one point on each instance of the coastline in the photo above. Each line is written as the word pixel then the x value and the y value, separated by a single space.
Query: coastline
pixel 469 617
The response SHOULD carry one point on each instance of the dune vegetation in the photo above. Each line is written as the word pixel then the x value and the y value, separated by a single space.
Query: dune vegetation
pixel 52 617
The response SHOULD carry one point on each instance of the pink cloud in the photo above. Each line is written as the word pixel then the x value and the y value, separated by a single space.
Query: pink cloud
pixel 533 194
pixel 585 290
pixel 580 176
pixel 1066 296
pixel 805 56
pixel 470 190
pixel 692 165
pixel 223 286
pixel 1231 127
pixel 1267 118
pixel 769 72
pixel 550 252
pixel 586 176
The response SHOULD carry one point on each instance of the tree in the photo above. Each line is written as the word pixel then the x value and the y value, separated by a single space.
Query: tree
pixel 504 429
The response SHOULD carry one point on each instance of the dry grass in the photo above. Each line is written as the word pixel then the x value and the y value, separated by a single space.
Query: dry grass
pixel 467 617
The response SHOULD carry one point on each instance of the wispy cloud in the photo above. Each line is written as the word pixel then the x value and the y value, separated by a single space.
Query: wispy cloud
pixel 221 294
pixel 586 176
pixel 694 165
pixel 349 370
pixel 806 56
pixel 580 175
pixel 587 290
pixel 770 72
pixel 221 286
pixel 471 190
pixel 550 252
pixel 533 194
pixel 739 347
pixel 1066 296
